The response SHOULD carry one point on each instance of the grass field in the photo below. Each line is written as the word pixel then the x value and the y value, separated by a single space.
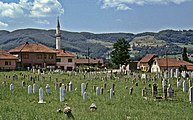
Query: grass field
pixel 18 105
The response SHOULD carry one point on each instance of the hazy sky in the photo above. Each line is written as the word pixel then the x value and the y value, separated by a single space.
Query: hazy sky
pixel 97 15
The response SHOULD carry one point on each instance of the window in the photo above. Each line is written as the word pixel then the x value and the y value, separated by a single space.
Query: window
pixel 7 62
pixel 39 56
pixel 58 60
pixel 69 60
pixel 25 56
pixel 45 56
pixel 51 56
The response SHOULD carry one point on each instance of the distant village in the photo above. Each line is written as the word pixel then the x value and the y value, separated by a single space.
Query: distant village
pixel 36 55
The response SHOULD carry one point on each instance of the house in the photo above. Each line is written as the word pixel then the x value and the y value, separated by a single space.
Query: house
pixel 162 64
pixel 65 60
pixel 34 54
pixel 145 63
pixel 90 61
pixel 7 61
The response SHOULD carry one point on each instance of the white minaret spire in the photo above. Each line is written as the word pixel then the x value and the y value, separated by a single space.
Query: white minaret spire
pixel 58 34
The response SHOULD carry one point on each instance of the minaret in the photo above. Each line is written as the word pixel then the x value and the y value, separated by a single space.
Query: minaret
pixel 58 34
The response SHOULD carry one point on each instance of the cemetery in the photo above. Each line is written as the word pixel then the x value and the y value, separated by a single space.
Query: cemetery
pixel 31 95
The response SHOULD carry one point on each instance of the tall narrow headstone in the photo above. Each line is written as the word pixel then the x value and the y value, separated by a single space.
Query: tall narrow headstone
pixel 105 85
pixel 84 96
pixel 171 73
pixel 190 92
pixel 11 87
pixel 82 88
pixel 61 94
pixel 70 86
pixel 47 89
pixel 102 90
pixel 111 93
pixel 35 88
pixel 170 91
pixel 184 86
pixel 29 89
pixel 97 91
pixel 163 83
pixel 177 73
pixel 178 83
pixel 41 95
pixel 23 83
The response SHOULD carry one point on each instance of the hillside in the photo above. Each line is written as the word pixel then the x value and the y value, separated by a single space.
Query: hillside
pixel 100 44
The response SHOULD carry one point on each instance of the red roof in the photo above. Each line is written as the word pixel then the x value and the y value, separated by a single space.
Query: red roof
pixel 172 62
pixel 147 58
pixel 33 47
pixel 91 61
pixel 6 56
pixel 189 67
pixel 63 53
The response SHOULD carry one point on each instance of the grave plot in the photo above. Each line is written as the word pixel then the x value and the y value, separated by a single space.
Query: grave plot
pixel 28 95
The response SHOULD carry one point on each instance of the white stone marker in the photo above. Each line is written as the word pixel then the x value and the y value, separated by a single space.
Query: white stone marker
pixel 70 86
pixel 84 96
pixel 178 83
pixel 29 89
pixel 163 83
pixel 47 89
pixel 170 91
pixel 111 93
pixel 11 87
pixel 35 88
pixel 190 92
pixel 41 96
pixel 82 88
pixel 97 91
pixel 171 73
pixel 184 86
pixel 23 83
pixel 62 94
pixel 177 73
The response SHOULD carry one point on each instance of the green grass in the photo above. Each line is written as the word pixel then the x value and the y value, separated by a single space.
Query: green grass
pixel 21 106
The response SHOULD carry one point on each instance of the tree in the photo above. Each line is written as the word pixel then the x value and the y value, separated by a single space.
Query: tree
pixel 120 54
pixel 184 54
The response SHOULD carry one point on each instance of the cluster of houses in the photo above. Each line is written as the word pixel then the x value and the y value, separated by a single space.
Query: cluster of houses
pixel 152 63
pixel 36 55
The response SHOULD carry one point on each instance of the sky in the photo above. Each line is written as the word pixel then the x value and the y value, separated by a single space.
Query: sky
pixel 97 16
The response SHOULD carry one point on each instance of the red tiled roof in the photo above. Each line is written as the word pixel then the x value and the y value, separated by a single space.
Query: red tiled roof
pixel 172 62
pixel 91 61
pixel 6 56
pixel 63 53
pixel 189 67
pixel 33 47
pixel 147 58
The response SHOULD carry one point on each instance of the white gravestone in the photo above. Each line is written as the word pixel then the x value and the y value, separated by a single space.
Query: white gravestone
pixel 97 91
pixel 47 89
pixel 190 92
pixel 35 88
pixel 178 83
pixel 41 95
pixel 163 83
pixel 23 83
pixel 84 96
pixel 170 91
pixel 29 89
pixel 70 86
pixel 184 86
pixel 171 73
pixel 62 94
pixel 111 93
pixel 177 73
pixel 11 87
pixel 82 88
